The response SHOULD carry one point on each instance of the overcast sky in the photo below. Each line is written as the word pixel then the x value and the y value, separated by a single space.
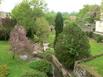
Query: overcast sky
pixel 55 5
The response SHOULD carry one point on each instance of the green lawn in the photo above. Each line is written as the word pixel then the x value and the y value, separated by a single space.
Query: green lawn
pixel 96 48
pixel 97 64
pixel 16 67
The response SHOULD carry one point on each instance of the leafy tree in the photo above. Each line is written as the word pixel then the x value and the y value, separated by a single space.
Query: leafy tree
pixel 71 45
pixel 6 26
pixel 88 14
pixel 42 29
pixel 50 16
pixel 20 44
pixel 26 13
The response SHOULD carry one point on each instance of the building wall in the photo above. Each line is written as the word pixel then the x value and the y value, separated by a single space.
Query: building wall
pixel 99 26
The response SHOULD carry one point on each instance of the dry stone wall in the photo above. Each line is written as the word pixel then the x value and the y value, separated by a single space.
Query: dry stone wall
pixel 81 70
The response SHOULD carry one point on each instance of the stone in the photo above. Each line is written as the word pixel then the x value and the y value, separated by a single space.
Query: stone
pixel 23 57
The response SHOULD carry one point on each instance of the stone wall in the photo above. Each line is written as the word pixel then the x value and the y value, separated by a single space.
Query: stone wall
pixel 81 70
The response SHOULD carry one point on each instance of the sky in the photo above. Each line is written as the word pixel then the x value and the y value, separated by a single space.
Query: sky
pixel 53 5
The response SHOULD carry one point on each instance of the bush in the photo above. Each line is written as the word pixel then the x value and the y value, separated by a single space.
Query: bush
pixel 71 45
pixel 89 34
pixel 3 70
pixel 34 74
pixel 6 26
pixel 48 53
pixel 98 38
pixel 35 39
pixel 41 65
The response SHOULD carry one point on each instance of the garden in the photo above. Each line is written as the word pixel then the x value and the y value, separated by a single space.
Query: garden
pixel 36 42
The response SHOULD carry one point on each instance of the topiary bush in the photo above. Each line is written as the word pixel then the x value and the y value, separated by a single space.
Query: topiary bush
pixel 34 74
pixel 41 65
pixel 3 71
pixel 71 45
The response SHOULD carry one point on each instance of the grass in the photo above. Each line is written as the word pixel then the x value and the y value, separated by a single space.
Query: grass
pixel 16 67
pixel 97 64
pixel 96 48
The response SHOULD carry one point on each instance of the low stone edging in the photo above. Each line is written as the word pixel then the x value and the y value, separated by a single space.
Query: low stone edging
pixel 82 70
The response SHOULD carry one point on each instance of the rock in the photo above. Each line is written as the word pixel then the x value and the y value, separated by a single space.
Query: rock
pixel 23 57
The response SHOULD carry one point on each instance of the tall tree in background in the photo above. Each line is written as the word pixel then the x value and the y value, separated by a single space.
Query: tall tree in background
pixel 59 22
pixel 42 29
pixel 26 13
pixel 88 14
pixel 50 16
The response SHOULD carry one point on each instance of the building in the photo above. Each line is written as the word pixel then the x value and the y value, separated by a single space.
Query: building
pixel 4 14
pixel 99 24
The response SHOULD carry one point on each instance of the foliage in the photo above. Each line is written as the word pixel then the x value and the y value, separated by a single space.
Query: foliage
pixel 6 26
pixel 34 74
pixel 4 71
pixel 89 34
pixel 42 29
pixel 98 38
pixel 88 14
pixel 48 53
pixel 26 13
pixel 59 23
pixel 71 45
pixel 41 65
pixel 50 17
pixel 19 42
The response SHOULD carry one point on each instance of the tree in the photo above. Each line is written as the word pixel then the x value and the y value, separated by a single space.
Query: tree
pixel 42 29
pixel 26 13
pixel 58 25
pixel 88 14
pixel 50 16
pixel 6 26
pixel 20 44
pixel 71 45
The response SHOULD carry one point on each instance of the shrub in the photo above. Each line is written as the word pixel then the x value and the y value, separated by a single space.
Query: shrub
pixel 34 74
pixel 3 70
pixel 48 53
pixel 6 26
pixel 98 38
pixel 71 45
pixel 41 65
pixel 35 39
pixel 89 34
pixel 42 29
